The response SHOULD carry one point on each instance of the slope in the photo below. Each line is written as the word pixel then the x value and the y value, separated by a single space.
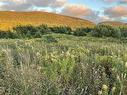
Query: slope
pixel 9 19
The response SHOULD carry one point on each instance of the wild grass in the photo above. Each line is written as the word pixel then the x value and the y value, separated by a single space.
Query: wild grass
pixel 58 64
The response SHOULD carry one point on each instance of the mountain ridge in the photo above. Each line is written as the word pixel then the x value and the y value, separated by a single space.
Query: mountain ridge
pixel 114 23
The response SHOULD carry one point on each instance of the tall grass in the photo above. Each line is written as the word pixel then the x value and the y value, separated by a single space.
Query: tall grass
pixel 67 66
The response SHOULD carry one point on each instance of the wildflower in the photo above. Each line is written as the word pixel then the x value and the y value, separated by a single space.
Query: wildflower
pixel 99 92
pixel 105 87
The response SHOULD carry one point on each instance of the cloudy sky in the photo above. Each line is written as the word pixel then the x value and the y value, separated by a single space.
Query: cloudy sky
pixel 94 10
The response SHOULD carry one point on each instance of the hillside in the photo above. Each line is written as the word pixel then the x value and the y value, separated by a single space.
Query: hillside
pixel 114 23
pixel 11 19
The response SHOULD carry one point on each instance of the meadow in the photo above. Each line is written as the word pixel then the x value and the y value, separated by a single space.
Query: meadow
pixel 60 64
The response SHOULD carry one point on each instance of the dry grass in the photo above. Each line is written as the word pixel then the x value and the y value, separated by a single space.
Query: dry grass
pixel 8 20
pixel 70 66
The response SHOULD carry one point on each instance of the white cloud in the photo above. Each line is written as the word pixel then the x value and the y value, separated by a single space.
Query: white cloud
pixel 25 5
pixel 116 12
pixel 76 10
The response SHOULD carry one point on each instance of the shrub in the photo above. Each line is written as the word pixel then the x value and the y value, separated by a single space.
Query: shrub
pixel 80 32
pixel 61 29
pixel 116 33
pixel 123 31
pixel 106 31
pixel 30 31
pixel 25 31
pixel 101 30
pixel 41 30
pixel 7 34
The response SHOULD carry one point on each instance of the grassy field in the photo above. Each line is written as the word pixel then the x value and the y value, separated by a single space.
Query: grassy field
pixel 8 20
pixel 59 64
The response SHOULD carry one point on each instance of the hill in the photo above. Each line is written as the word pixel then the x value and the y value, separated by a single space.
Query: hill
pixel 9 19
pixel 114 23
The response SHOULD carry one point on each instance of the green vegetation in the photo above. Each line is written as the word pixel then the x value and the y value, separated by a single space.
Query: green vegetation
pixel 44 60
pixel 30 31
pixel 60 64
pixel 107 31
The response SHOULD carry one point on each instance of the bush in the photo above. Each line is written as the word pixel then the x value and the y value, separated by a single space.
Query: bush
pixel 80 32
pixel 41 30
pixel 61 29
pixel 25 31
pixel 123 31
pixel 106 31
pixel 116 33
pixel 30 31
pixel 7 34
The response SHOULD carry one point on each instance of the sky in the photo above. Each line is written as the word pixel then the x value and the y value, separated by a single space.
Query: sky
pixel 93 10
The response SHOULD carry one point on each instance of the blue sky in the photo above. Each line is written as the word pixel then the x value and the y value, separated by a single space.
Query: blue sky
pixel 91 4
pixel 94 10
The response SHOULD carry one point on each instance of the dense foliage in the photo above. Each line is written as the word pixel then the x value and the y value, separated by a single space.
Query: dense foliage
pixel 107 31
pixel 30 31
pixel 59 64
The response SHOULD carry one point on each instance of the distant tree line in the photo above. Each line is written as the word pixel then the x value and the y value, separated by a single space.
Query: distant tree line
pixel 30 31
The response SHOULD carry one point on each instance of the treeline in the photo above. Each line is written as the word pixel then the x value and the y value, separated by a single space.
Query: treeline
pixel 109 31
pixel 30 31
